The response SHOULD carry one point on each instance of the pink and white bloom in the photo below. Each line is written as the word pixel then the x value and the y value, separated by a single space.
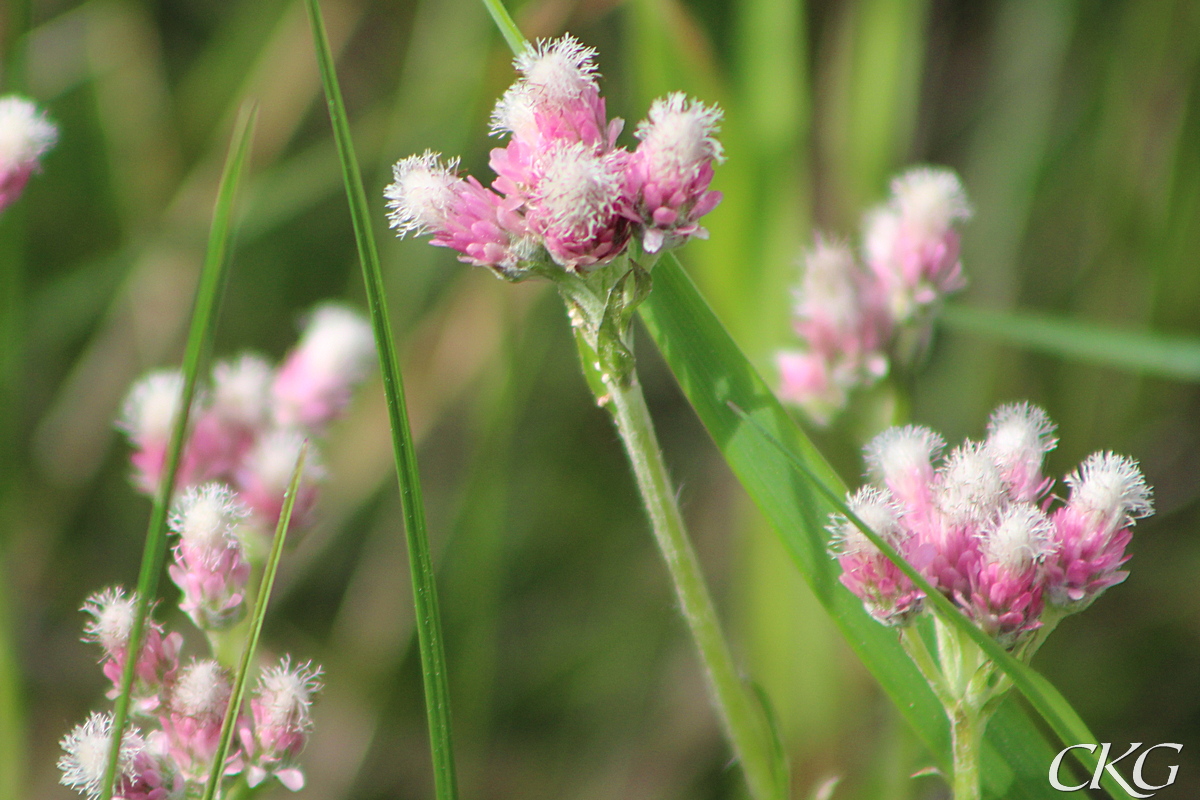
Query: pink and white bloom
pixel 147 416
pixel 317 378
pixel 143 770
pixel 669 173
pixel 911 243
pixel 264 475
pixel 113 613
pixel 887 593
pixel 1006 594
pixel 192 724
pixel 281 708
pixel 210 563
pixel 1108 495
pixel 1019 436
pixel 25 136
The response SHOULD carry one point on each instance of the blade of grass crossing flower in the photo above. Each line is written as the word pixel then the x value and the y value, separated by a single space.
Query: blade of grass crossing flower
pixel 504 21
pixel 1053 707
pixel 1175 358
pixel 260 612
pixel 428 618
pixel 199 338
pixel 712 370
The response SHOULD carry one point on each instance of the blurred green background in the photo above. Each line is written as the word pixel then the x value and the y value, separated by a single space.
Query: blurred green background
pixel 1075 126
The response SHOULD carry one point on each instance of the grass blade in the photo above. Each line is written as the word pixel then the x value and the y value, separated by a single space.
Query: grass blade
pixel 712 371
pixel 1175 358
pixel 199 338
pixel 504 21
pixel 428 618
pixel 260 612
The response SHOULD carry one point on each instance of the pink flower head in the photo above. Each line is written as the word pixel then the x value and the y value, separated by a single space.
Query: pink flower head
pixel 25 136
pixel 263 477
pixel 316 380
pixel 1019 436
pixel 911 244
pixel 113 614
pixel 147 417
pixel 556 99
pixel 887 593
pixel 839 318
pixel 1108 494
pixel 1006 593
pixel 143 770
pixel 426 196
pixel 281 708
pixel 210 562
pixel 669 173
pixel 575 205
pixel 192 722
pixel 902 460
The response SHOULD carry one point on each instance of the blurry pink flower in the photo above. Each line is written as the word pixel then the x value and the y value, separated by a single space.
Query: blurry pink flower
pixel 192 722
pixel 113 613
pixel 317 378
pixel 281 708
pixel 143 770
pixel 263 477
pixel 25 136
pixel 210 563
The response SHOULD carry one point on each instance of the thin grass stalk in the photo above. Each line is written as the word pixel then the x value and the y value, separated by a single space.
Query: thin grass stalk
pixel 260 612
pixel 508 28
pixel 428 617
pixel 1041 694
pixel 198 344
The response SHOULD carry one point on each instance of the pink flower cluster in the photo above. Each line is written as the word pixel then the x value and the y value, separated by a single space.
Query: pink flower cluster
pixel 172 761
pixel 25 136
pixel 563 188
pixel 984 528
pixel 856 320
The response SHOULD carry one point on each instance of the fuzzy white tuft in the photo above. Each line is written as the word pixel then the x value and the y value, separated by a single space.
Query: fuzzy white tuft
pixel 559 69
pixel 338 341
pixel 579 190
pixel 202 691
pixel 680 133
pixel 273 459
pixel 1111 487
pixel 899 454
pixel 971 488
pixel 86 750
pixel 1020 433
pixel 207 516
pixel 828 287
pixel 286 693
pixel 150 407
pixel 1022 536
pixel 875 508
pixel 241 389
pixel 929 200
pixel 25 133
pixel 113 613
pixel 422 193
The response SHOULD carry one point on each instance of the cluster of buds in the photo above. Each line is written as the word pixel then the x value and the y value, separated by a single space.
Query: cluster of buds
pixel 564 192
pixel 172 760
pixel 25 136
pixel 983 527
pixel 855 321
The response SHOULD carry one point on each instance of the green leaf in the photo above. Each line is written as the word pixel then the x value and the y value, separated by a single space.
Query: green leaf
pixel 428 617
pixel 216 771
pixel 713 372
pixel 1152 354
pixel 199 343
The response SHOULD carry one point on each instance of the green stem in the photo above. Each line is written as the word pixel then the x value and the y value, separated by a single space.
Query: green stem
pixel 742 721
pixel 965 736
pixel 512 34
pixel 918 651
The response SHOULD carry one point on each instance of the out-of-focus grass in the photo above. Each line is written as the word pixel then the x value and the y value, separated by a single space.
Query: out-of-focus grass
pixel 1077 131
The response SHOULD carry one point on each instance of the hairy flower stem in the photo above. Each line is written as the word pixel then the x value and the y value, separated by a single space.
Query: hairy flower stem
pixel 593 302
pixel 966 733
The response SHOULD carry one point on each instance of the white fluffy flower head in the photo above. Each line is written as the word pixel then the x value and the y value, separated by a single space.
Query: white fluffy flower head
pixel 25 134
pixel 560 69
pixel 422 193
pixel 207 516
pixel 86 751
pixel 241 389
pixel 1022 536
pixel 899 455
pixel 1111 487
pixel 150 407
pixel 338 341
pixel 112 611
pixel 202 691
pixel 879 511
pixel 579 189
pixel 680 134
pixel 971 488
pixel 828 287
pixel 929 200
pixel 1020 433
pixel 274 458
pixel 286 694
